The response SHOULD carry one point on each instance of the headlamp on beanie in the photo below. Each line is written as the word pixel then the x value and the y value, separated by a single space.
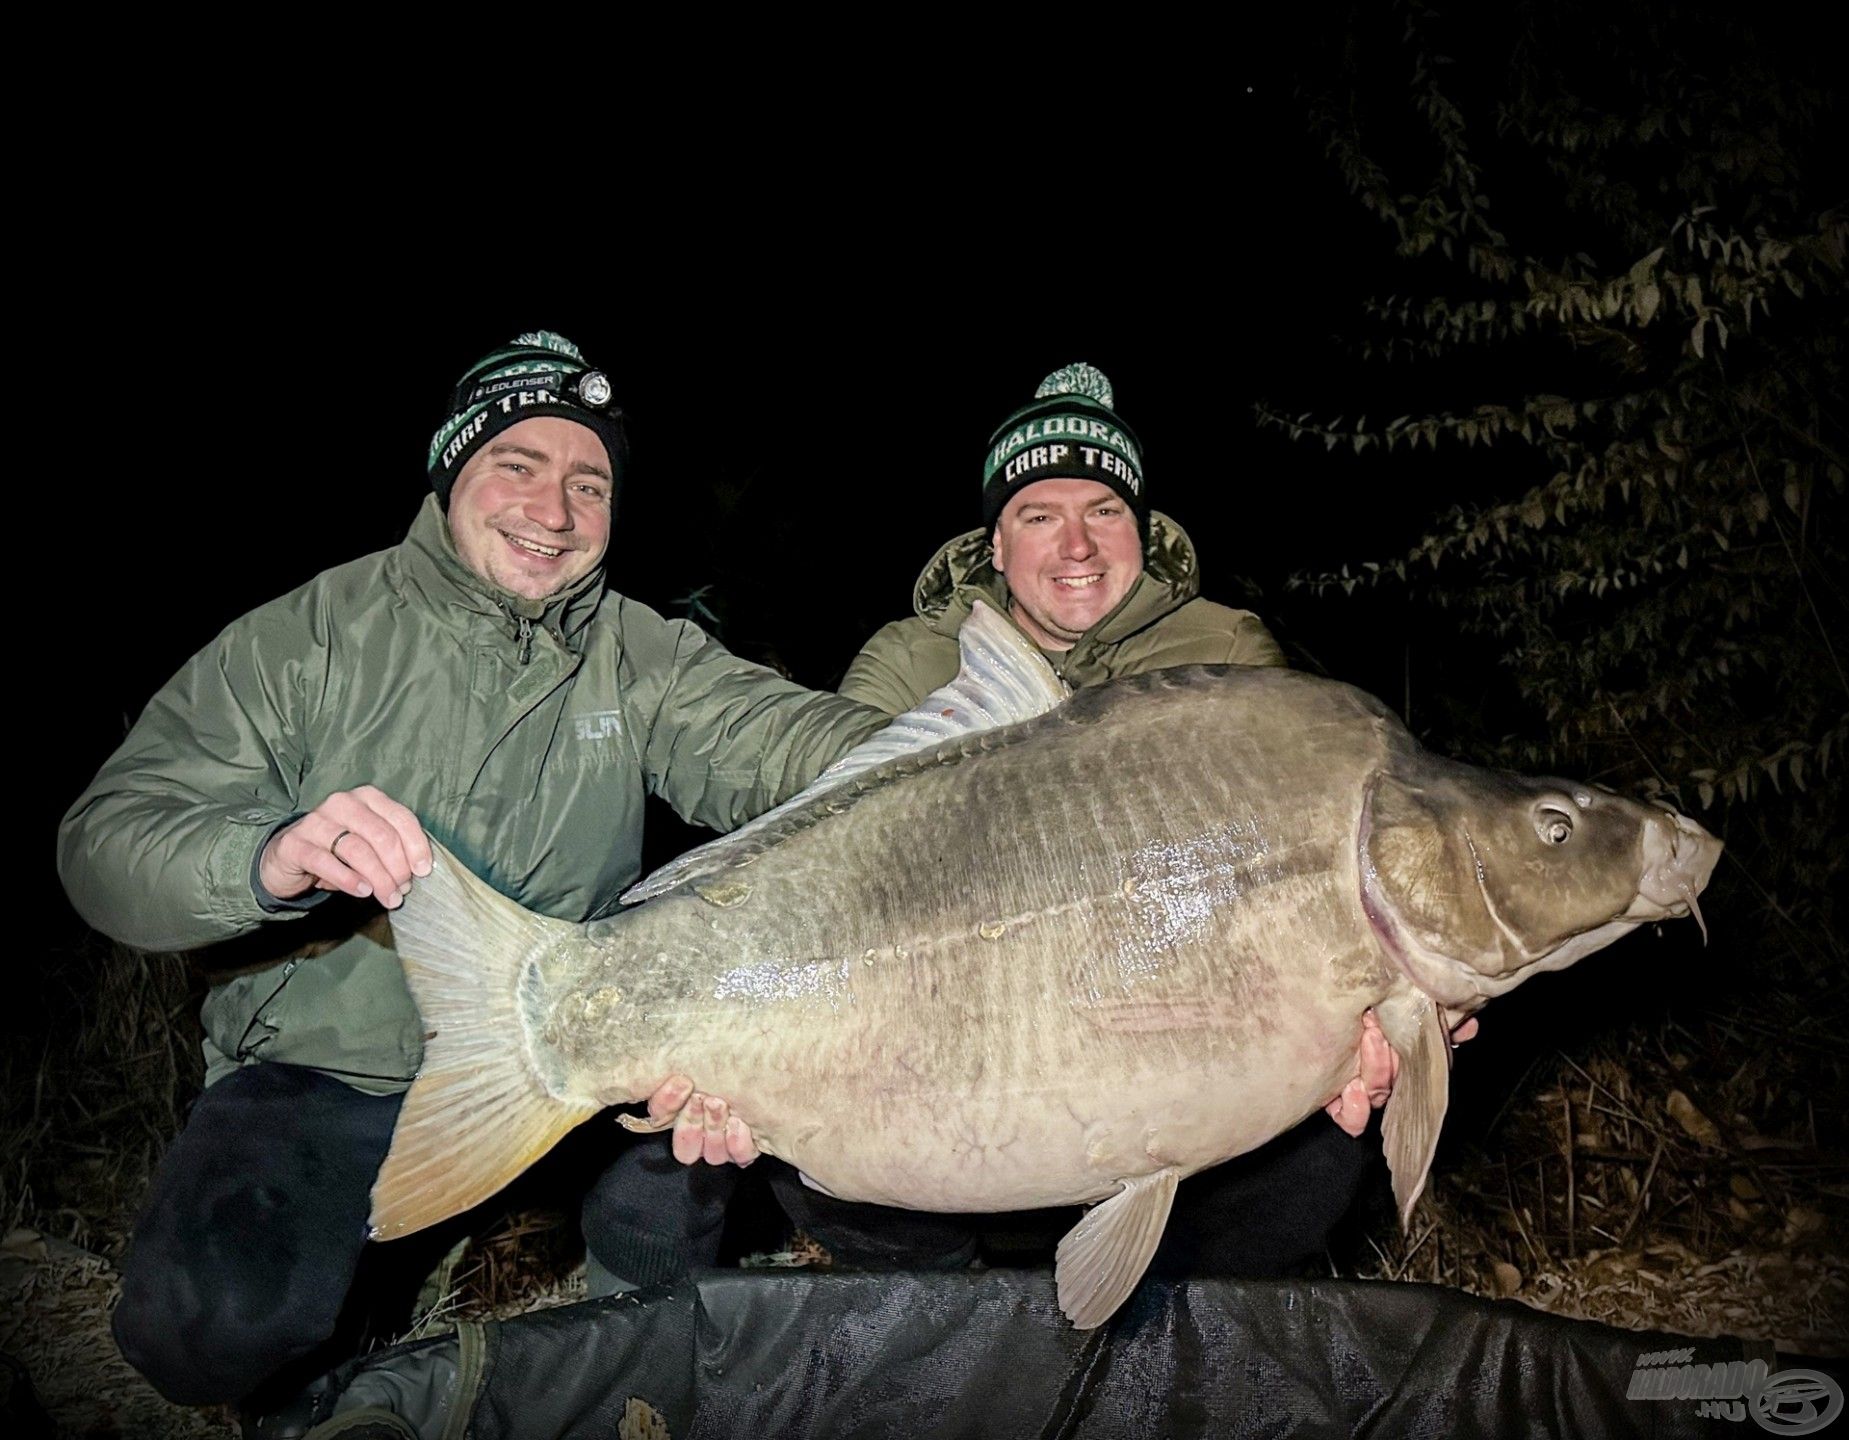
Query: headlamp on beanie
pixel 540 373
pixel 1068 432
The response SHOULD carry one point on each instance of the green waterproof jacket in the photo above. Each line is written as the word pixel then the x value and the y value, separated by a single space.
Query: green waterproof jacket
pixel 525 735
pixel 1161 623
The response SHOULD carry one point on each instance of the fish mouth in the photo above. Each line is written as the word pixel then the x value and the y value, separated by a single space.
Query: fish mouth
pixel 1679 858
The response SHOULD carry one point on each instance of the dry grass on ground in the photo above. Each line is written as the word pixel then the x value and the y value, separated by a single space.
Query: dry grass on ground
pixel 1688 1175
pixel 91 1095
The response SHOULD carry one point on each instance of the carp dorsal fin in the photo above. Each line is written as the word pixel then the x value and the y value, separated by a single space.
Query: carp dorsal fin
pixel 1002 680
pixel 1101 1258
pixel 478 1112
pixel 1421 1092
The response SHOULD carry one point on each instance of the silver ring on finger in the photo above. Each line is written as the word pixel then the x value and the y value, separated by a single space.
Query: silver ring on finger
pixel 333 846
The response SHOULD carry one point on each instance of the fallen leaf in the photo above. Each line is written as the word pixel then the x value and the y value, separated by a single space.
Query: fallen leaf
pixel 1698 1126
pixel 641 1421
pixel 1771 1142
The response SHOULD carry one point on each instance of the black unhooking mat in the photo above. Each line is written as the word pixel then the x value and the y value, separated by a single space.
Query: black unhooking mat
pixel 987 1353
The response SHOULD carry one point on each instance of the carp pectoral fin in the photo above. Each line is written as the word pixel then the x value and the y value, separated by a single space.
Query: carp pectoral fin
pixel 478 1113
pixel 816 1185
pixel 642 1125
pixel 1100 1260
pixel 1416 1109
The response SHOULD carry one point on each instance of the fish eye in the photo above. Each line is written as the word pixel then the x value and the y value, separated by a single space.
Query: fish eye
pixel 1554 826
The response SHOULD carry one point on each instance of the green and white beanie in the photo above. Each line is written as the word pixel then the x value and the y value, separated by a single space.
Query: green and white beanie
pixel 1069 432
pixel 540 373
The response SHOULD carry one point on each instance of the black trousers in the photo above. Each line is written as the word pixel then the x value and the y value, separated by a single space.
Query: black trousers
pixel 650 1219
pixel 244 1255
pixel 249 1272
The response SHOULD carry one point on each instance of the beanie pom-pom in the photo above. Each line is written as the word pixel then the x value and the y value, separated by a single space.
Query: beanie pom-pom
pixel 1077 379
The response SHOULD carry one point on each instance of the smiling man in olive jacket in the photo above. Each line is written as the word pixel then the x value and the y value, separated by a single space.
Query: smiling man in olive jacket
pixel 1151 613
pixel 478 683
pixel 1071 552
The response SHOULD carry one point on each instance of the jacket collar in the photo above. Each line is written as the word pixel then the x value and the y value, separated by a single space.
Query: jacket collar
pixel 963 571
pixel 432 564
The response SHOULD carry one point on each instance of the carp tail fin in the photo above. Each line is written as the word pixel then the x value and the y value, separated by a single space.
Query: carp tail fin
pixel 1101 1258
pixel 1421 1093
pixel 479 1112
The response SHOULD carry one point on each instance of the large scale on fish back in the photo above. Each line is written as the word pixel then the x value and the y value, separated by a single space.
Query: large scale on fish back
pixel 1025 949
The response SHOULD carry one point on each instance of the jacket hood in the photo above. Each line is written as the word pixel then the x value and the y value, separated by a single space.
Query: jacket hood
pixel 432 564
pixel 963 571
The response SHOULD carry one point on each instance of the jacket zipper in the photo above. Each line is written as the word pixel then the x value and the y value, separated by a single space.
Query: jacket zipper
pixel 526 640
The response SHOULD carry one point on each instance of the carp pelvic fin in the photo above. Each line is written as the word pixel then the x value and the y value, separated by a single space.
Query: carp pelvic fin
pixel 1421 1093
pixel 478 1113
pixel 1002 680
pixel 1101 1258
pixel 816 1185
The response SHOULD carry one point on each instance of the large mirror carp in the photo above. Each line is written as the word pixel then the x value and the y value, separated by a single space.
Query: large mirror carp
pixel 1026 948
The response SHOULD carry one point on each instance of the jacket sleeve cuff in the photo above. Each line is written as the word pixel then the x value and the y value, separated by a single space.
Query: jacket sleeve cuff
pixel 238 893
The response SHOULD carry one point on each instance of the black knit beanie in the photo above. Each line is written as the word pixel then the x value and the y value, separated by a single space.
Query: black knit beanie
pixel 540 373
pixel 1069 432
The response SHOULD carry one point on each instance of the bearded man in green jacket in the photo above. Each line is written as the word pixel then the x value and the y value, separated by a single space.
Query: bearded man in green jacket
pixel 478 683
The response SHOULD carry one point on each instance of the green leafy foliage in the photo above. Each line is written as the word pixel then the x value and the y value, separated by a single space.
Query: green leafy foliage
pixel 1647 522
